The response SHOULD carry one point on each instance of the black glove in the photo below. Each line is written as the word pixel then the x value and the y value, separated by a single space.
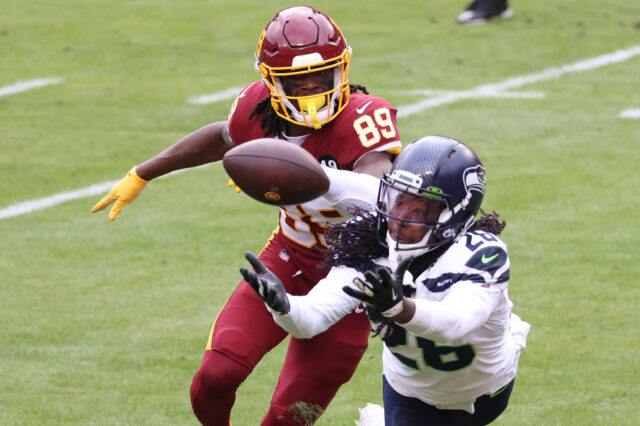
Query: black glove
pixel 382 291
pixel 266 285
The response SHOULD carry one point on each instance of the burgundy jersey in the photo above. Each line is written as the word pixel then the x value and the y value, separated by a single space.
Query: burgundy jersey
pixel 367 124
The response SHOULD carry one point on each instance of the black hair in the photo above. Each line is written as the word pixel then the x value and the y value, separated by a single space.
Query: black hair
pixel 355 241
pixel 272 123
pixel 489 222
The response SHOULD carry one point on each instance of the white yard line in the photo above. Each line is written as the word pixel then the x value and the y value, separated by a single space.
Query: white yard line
pixel 222 95
pixel 23 86
pixel 63 197
pixel 43 203
pixel 443 98
pixel 514 82
pixel 630 113
pixel 496 94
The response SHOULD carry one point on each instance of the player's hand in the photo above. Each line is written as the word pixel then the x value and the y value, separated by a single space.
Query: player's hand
pixel 123 193
pixel 266 285
pixel 381 290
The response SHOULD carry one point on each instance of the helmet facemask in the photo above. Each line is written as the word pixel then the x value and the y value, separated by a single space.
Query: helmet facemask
pixel 299 41
pixel 413 218
pixel 311 110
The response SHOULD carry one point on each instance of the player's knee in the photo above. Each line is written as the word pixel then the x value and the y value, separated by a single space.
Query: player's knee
pixel 218 377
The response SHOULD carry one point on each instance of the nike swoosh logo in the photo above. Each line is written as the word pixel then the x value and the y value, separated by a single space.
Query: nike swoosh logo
pixel 486 260
pixel 394 295
pixel 363 107
pixel 244 92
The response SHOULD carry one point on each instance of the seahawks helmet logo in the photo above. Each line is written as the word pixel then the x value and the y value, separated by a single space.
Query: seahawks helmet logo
pixel 474 179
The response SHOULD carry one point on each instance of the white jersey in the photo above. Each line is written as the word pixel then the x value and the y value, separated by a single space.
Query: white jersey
pixel 463 341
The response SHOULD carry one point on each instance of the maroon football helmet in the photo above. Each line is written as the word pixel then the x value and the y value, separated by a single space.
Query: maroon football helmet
pixel 299 41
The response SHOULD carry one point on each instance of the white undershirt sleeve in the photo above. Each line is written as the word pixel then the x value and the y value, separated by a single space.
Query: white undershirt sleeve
pixel 322 307
pixel 465 308
pixel 349 190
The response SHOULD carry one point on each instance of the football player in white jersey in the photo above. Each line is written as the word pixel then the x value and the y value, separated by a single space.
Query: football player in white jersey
pixel 435 285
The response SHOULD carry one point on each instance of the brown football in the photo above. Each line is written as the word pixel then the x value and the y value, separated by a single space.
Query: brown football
pixel 275 172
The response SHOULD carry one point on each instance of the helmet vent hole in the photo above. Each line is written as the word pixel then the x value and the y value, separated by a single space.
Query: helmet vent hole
pixel 452 153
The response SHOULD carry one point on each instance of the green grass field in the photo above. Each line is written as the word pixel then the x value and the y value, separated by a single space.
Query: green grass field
pixel 105 323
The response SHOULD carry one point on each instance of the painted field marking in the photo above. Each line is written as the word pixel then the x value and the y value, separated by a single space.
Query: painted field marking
pixel 63 197
pixel 43 203
pixel 23 86
pixel 435 92
pixel 442 98
pixel 486 90
pixel 630 113
pixel 222 95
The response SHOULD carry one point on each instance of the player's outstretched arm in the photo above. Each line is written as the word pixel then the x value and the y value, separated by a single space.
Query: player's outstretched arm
pixel 266 285
pixel 205 145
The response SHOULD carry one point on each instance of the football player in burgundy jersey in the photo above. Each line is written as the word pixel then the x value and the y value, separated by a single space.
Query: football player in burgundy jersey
pixel 303 97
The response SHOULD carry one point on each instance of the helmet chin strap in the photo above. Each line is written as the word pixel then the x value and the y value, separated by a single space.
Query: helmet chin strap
pixel 398 252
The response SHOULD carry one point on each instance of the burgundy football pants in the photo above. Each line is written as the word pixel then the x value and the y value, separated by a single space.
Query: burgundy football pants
pixel 313 370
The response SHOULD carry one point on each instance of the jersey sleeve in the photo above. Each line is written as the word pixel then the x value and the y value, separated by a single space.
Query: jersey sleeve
pixel 323 306
pixel 476 270
pixel 349 191
pixel 464 309
pixel 485 258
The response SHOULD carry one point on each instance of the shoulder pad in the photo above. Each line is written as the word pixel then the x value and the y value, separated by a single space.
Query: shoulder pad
pixel 490 259
pixel 477 256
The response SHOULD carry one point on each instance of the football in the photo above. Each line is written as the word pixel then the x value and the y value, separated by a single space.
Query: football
pixel 275 172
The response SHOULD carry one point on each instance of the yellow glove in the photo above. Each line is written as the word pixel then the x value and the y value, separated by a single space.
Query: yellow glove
pixel 123 193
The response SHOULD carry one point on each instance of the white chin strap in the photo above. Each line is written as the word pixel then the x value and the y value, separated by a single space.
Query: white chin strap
pixel 399 252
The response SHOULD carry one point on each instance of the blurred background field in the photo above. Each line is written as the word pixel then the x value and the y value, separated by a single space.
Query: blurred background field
pixel 105 323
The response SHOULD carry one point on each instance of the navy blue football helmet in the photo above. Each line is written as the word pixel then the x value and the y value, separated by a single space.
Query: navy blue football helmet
pixel 431 195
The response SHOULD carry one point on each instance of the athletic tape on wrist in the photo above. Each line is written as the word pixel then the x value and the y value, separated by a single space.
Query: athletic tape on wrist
pixel 394 310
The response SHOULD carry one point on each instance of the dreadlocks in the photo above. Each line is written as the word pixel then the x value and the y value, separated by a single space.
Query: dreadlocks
pixel 356 241
pixel 489 223
pixel 353 242
pixel 274 124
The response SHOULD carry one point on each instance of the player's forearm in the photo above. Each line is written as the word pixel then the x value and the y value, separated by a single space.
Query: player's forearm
pixel 302 323
pixel 322 307
pixel 349 190
pixel 375 164
pixel 205 145
pixel 312 314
